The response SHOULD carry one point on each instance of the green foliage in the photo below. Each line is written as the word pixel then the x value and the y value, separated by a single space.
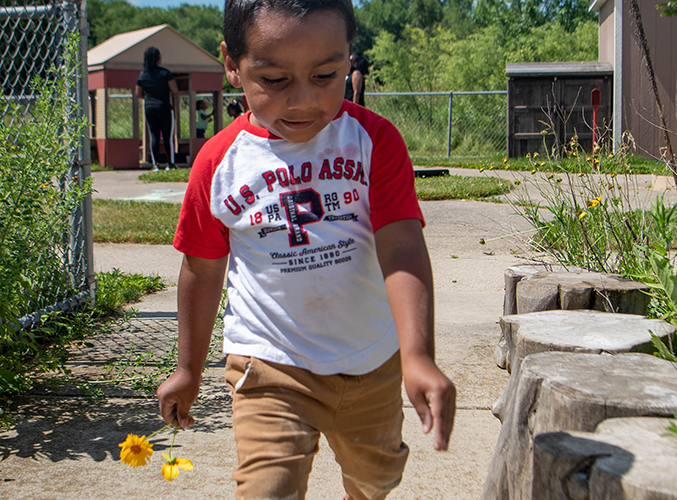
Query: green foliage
pixel 663 282
pixel 200 23
pixel 115 289
pixel 597 220
pixel 515 18
pixel 39 191
pixel 430 60
pixel 669 8
pixel 58 333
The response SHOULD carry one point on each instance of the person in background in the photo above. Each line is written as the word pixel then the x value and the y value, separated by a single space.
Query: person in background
pixel 359 68
pixel 155 86
pixel 234 109
pixel 203 119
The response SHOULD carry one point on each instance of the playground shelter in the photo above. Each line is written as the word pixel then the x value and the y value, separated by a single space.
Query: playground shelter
pixel 120 138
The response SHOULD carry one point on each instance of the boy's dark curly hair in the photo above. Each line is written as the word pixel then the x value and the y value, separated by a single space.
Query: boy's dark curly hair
pixel 239 15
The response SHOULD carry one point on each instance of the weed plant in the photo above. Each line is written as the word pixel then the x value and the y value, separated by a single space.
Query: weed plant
pixel 116 289
pixel 39 192
pixel 58 334
pixel 598 221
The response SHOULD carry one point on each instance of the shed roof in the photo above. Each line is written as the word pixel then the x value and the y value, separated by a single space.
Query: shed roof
pixel 590 68
pixel 179 54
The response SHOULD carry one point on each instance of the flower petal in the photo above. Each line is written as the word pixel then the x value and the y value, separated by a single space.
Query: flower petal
pixel 167 471
pixel 184 463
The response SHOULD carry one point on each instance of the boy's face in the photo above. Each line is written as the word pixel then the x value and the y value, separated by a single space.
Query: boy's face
pixel 293 72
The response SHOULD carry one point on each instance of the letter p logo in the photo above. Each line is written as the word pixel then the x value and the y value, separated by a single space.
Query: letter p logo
pixel 302 207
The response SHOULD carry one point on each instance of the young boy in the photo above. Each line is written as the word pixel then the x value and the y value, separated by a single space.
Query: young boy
pixel 308 200
pixel 203 119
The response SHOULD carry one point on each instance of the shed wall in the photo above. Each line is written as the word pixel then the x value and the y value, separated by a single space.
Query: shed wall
pixel 640 114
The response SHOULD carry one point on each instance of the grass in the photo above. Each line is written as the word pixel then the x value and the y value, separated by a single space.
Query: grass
pixel 154 223
pixel 460 187
pixel 173 175
pixel 96 167
pixel 134 222
pixel 635 164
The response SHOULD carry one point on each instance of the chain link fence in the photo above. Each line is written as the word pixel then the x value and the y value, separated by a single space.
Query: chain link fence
pixel 439 124
pixel 446 124
pixel 58 273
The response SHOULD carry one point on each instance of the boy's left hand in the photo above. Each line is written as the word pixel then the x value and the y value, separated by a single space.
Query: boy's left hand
pixel 433 396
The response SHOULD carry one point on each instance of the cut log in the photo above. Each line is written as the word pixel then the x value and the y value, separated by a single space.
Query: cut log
pixel 560 391
pixel 625 458
pixel 545 291
pixel 586 331
pixel 515 274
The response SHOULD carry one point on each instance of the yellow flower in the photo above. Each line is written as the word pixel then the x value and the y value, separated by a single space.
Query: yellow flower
pixel 595 201
pixel 136 451
pixel 582 215
pixel 170 469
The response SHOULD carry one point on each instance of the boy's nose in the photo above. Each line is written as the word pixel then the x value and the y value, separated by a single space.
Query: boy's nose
pixel 301 96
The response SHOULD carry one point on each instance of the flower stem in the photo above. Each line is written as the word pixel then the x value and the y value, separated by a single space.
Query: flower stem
pixel 176 429
pixel 160 430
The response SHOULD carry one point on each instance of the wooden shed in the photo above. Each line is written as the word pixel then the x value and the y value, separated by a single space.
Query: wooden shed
pixel 556 97
pixel 634 105
pixel 119 137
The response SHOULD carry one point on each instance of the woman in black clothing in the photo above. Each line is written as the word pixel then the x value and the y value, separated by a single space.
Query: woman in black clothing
pixel 155 85
pixel 359 68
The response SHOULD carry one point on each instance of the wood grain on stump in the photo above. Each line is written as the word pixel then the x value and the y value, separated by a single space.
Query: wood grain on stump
pixel 561 391
pixel 625 458
pixel 586 331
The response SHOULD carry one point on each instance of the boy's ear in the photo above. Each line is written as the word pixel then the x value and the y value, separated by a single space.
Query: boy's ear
pixel 232 71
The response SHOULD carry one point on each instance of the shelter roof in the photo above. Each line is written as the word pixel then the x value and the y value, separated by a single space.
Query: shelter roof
pixel 588 68
pixel 179 54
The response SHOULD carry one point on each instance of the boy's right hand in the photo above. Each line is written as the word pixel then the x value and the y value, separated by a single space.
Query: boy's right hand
pixel 176 395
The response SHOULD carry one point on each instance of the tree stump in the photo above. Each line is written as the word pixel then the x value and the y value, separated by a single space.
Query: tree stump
pixel 561 391
pixel 545 291
pixel 515 274
pixel 625 458
pixel 592 332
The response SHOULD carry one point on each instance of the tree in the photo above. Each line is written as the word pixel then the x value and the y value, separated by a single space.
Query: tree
pixel 669 8
pixel 200 24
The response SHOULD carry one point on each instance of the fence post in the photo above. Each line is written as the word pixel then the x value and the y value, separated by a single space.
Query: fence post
pixel 451 102
pixel 85 156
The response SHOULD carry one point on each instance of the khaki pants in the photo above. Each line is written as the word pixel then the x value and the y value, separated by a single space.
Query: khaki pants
pixel 279 412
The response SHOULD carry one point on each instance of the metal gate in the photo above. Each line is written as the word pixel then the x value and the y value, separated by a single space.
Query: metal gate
pixel 33 38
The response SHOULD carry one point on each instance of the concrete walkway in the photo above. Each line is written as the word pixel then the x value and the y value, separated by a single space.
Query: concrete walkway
pixel 65 444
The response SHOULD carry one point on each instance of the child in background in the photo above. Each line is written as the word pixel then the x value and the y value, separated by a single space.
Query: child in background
pixel 309 202
pixel 234 109
pixel 203 119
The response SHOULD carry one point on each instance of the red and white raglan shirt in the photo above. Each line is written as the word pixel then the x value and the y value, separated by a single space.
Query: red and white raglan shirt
pixel 298 220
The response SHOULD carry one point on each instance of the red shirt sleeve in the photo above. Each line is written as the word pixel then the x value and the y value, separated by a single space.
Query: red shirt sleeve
pixel 199 233
pixel 392 195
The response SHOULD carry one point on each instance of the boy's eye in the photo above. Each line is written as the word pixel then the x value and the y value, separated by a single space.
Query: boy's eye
pixel 272 81
pixel 327 76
